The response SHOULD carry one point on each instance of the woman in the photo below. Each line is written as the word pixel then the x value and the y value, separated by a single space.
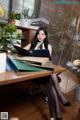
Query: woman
pixel 40 42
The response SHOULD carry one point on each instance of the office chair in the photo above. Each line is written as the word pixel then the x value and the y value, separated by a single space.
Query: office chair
pixel 39 87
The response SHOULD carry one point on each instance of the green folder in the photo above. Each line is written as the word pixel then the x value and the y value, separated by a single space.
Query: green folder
pixel 20 66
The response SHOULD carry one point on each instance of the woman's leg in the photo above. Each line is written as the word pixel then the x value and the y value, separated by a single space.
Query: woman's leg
pixel 56 103
pixel 55 84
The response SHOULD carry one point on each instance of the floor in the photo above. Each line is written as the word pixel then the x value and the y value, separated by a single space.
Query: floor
pixel 21 108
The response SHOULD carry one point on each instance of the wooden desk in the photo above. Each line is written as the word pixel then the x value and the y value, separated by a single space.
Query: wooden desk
pixel 8 78
pixel 58 69
pixel 12 77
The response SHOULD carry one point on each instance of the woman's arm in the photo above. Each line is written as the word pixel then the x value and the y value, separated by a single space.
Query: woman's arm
pixel 50 49
pixel 27 47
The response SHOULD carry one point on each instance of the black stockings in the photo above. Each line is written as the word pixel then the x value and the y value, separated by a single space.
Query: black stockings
pixel 55 84
pixel 57 95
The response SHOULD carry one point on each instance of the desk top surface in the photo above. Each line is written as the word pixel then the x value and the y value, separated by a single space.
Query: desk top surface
pixel 12 77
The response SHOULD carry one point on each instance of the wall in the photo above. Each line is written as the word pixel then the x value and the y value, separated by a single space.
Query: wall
pixel 52 13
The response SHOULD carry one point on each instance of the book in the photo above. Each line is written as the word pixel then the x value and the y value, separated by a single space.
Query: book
pixel 39 62
pixel 47 66
pixel 20 66
pixel 24 66
pixel 8 66
pixel 34 60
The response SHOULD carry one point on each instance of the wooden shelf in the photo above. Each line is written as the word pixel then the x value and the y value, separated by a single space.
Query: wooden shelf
pixel 27 34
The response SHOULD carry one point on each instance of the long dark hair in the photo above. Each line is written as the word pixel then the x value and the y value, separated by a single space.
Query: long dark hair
pixel 35 40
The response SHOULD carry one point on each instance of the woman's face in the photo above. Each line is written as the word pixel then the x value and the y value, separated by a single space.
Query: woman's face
pixel 41 35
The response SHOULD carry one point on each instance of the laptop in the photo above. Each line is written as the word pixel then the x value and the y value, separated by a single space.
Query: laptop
pixel 35 53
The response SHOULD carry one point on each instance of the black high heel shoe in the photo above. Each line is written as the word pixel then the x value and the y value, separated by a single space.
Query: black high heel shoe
pixel 58 118
pixel 67 104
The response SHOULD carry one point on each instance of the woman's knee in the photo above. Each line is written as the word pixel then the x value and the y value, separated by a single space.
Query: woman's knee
pixel 54 77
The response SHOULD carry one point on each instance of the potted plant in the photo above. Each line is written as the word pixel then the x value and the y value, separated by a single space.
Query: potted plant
pixel 25 17
pixel 18 17
pixel 6 36
pixel 12 17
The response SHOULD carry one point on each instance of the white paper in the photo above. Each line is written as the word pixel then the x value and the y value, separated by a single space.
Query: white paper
pixel 2 62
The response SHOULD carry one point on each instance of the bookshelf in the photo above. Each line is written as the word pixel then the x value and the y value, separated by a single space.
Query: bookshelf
pixel 27 34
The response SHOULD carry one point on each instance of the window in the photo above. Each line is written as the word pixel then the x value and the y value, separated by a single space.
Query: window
pixel 29 4
pixel 32 5
pixel 18 6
